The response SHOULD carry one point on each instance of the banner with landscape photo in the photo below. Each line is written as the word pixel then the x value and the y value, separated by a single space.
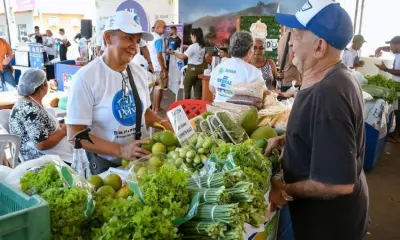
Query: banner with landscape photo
pixel 217 18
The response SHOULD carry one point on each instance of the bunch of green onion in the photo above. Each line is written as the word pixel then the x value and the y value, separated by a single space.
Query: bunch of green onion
pixel 228 213
pixel 211 195
pixel 228 179
pixel 213 230
pixel 242 192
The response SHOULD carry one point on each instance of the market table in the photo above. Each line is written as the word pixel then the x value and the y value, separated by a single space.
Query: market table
pixel 206 93
pixel 8 99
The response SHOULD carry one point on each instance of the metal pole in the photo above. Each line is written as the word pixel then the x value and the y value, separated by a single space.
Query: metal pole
pixel 362 16
pixel 7 25
pixel 356 16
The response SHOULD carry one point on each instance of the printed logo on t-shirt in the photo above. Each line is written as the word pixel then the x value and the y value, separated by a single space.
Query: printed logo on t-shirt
pixel 124 108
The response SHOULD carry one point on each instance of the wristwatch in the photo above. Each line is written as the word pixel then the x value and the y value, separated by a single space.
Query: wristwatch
pixel 285 195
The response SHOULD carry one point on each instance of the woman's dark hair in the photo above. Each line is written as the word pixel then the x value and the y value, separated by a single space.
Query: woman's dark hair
pixel 198 33
pixel 62 30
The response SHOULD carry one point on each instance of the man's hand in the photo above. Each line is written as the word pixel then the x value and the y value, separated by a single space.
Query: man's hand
pixel 281 75
pixel 381 66
pixel 273 143
pixel 275 196
pixel 165 79
pixel 360 64
pixel 151 67
pixel 133 151
pixel 378 52
pixel 170 52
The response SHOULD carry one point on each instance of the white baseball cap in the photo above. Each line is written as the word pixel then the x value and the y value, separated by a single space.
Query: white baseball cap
pixel 127 23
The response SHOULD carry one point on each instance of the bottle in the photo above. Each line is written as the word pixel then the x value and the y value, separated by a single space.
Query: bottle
pixel 80 162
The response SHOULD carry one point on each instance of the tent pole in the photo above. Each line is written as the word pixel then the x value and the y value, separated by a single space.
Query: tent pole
pixel 355 17
pixel 361 16
pixel 7 25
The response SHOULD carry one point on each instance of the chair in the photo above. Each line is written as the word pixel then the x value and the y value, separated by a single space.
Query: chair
pixel 191 107
pixel 15 140
pixel 5 119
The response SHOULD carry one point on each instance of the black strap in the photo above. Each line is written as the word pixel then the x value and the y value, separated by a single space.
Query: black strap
pixel 138 104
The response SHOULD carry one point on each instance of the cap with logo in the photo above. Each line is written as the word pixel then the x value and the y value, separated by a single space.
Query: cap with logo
pixel 325 18
pixel 127 23
pixel 395 40
pixel 359 39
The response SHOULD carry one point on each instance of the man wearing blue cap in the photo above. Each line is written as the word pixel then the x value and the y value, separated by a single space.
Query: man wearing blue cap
pixel 324 181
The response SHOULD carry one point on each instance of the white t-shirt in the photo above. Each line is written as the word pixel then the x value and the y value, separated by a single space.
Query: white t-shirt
pixel 96 99
pixel 50 44
pixel 396 66
pixel 351 56
pixel 232 70
pixel 156 46
pixel 82 43
pixel 195 54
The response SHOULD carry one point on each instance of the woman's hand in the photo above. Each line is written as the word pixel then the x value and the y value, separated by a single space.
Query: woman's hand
pixel 63 129
pixel 133 151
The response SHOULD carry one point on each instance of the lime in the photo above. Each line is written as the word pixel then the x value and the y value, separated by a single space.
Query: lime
pixel 156 136
pixel 124 192
pixel 113 180
pixel 106 191
pixel 141 173
pixel 149 145
pixel 96 181
pixel 156 162
pixel 124 163
pixel 158 148
pixel 262 143
pixel 171 149
pixel 168 138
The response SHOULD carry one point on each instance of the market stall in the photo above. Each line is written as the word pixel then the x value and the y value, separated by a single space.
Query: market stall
pixel 198 183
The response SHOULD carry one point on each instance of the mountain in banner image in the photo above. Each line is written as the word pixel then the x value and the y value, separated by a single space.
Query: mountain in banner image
pixel 218 29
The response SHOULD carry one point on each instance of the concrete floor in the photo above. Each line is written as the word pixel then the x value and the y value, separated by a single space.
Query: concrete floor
pixel 384 189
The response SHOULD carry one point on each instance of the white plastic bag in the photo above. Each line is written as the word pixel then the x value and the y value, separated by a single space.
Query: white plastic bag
pixel 4 172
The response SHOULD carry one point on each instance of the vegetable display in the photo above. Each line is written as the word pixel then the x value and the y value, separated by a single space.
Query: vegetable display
pixel 383 87
pixel 39 182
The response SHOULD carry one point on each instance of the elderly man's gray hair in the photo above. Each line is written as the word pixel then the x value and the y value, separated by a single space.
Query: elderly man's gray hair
pixel 240 44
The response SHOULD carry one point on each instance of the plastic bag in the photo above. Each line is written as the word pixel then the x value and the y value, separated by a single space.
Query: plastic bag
pixel 4 172
pixel 144 166
pixel 246 100
pixel 225 122
pixel 255 89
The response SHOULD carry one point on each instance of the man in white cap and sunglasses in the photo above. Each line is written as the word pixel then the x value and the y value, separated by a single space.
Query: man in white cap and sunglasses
pixel 323 178
pixel 111 97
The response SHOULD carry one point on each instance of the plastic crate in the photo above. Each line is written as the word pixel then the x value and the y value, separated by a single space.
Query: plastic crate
pixel 23 217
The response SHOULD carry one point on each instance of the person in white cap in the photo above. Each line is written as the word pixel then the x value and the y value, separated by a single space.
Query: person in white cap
pixel 323 178
pixel 111 97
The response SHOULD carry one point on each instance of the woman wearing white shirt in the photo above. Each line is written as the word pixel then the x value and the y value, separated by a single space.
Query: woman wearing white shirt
pixel 235 69
pixel 195 55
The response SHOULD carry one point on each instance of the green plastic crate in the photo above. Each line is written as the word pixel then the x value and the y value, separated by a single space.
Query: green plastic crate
pixel 23 217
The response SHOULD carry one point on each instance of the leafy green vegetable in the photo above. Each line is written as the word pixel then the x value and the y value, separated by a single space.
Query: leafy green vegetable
pixel 167 191
pixel 383 83
pixel 250 159
pixel 67 212
pixel 165 195
pixel 37 183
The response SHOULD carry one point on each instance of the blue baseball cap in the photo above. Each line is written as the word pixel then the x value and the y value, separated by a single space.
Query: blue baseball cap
pixel 325 18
